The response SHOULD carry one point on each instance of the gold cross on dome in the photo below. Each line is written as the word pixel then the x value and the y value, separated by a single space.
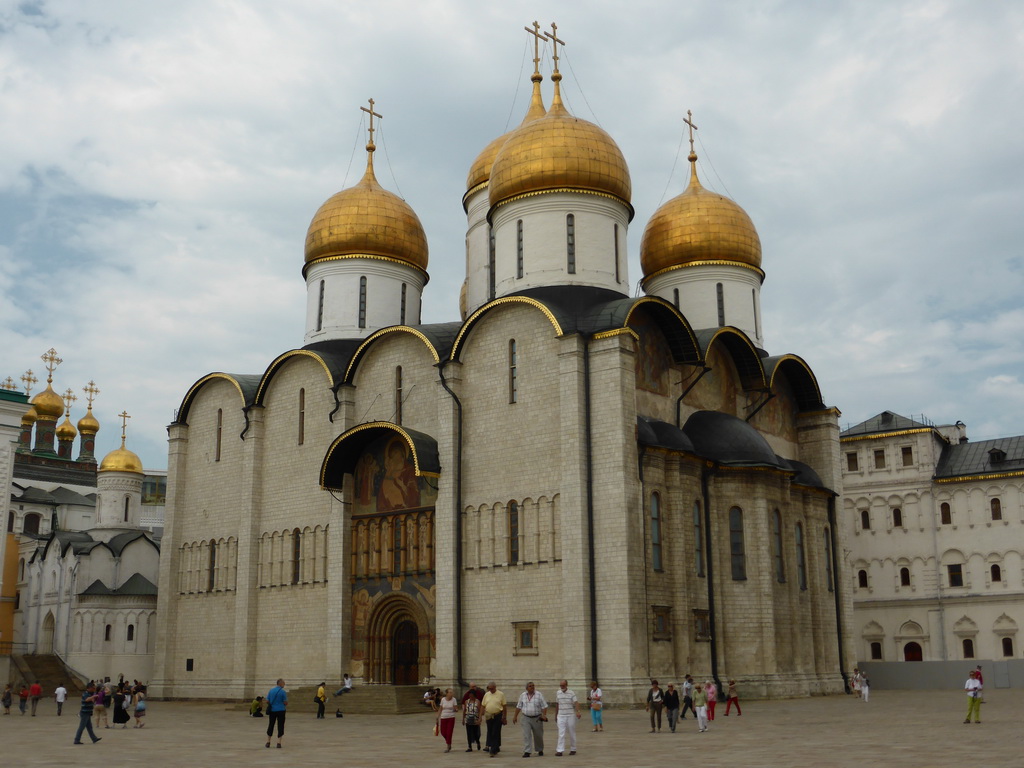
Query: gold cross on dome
pixel 7 384
pixel 372 115
pixel 91 391
pixel 555 42
pixel 538 36
pixel 123 415
pixel 28 380
pixel 68 397
pixel 689 121
pixel 52 361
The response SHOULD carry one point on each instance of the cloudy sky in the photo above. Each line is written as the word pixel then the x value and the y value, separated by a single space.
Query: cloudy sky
pixel 160 163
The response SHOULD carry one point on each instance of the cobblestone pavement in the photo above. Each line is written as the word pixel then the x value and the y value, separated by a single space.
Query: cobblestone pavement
pixel 896 729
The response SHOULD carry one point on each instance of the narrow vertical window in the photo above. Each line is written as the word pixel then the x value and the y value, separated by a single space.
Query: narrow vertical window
pixel 220 429
pixel 862 579
pixel 127 503
pixel 757 320
pixel 997 509
pixel 801 561
pixel 398 395
pixel 302 416
pixel 401 318
pixel 828 560
pixel 513 533
pixel 736 548
pixel 852 464
pixel 721 303
pixel 570 243
pixel 320 308
pixel 880 459
pixel 780 565
pixel 296 556
pixel 904 577
pixel 106 636
pixel 968 645
pixel 675 297
pixel 130 635
pixel 490 262
pixel 519 248
pixel 876 651
pixel 698 538
pixel 362 302
pixel 907 452
pixel 946 514
pixel 656 531
pixel 513 363
pixel 211 570
pixel 396 547
pixel 1007 649
pixel 865 520
pixel 996 573
pixel 897 518
pixel 618 271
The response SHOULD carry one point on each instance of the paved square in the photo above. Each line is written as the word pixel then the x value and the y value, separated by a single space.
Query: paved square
pixel 897 729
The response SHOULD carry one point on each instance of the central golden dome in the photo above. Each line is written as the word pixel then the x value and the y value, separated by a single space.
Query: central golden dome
pixel 366 220
pixel 121 460
pixel 559 151
pixel 48 404
pixel 698 226
pixel 67 431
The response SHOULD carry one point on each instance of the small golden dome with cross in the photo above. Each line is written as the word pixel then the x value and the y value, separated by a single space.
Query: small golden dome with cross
pixel 121 459
pixel 48 404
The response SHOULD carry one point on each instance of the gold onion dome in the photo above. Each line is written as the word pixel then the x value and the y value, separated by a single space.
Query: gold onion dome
pixel 698 226
pixel 559 151
pixel 48 404
pixel 88 423
pixel 66 430
pixel 121 460
pixel 366 220
pixel 29 416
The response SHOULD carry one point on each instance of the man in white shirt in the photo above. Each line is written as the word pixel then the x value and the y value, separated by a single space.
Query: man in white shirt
pixel 534 709
pixel 566 705
pixel 59 696
pixel 973 688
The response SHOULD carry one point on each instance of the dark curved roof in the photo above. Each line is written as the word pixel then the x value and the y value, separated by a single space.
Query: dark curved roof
pixel 742 351
pixel 438 337
pixel 729 440
pixel 137 585
pixel 78 541
pixel 800 376
pixel 33 495
pixel 661 434
pixel 122 540
pixel 346 449
pixel 247 385
pixel 333 356
pixel 805 475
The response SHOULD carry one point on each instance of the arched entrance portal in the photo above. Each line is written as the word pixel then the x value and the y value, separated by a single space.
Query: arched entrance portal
pixel 398 641
pixel 405 654
pixel 912 652
pixel 46 637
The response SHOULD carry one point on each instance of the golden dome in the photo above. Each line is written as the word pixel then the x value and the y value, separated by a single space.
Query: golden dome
pixel 29 417
pixel 559 151
pixel 48 404
pixel 366 220
pixel 121 460
pixel 698 225
pixel 88 423
pixel 66 430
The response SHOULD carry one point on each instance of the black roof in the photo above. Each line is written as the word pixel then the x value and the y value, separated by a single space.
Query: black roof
pixel 1004 454
pixel 886 421
pixel 136 585
pixel 729 440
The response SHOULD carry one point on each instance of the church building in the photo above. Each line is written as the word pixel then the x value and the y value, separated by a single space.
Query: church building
pixel 564 481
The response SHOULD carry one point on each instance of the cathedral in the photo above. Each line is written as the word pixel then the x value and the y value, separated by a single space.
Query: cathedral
pixel 566 481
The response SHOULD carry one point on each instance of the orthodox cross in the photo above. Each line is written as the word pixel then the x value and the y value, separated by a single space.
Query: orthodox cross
pixel 123 415
pixel 68 397
pixel 555 42
pixel 29 380
pixel 689 121
pixel 52 361
pixel 7 383
pixel 91 391
pixel 538 36
pixel 372 115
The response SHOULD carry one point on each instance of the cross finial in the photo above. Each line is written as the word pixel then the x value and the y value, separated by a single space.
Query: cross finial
pixel 7 384
pixel 29 380
pixel 91 391
pixel 52 361
pixel 68 397
pixel 537 37
pixel 371 146
pixel 689 121
pixel 555 42
pixel 123 415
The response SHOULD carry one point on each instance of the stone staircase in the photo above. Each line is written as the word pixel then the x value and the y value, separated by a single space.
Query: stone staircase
pixel 50 671
pixel 363 700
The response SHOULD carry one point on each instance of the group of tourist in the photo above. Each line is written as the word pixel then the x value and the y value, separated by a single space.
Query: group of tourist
pixel 124 699
pixel 861 684
pixel 699 698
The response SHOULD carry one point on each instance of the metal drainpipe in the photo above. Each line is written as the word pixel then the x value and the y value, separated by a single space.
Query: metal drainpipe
pixel 679 400
pixel 835 586
pixel 706 472
pixel 590 509
pixel 458 527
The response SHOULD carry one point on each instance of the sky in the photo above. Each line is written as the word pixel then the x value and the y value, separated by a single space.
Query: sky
pixel 160 163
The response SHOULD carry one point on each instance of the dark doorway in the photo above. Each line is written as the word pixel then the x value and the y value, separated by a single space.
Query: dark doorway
pixel 912 652
pixel 405 654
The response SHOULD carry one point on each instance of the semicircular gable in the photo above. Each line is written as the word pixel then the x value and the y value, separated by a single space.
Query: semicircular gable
pixel 475 318
pixel 435 338
pixel 344 452
pixel 801 380
pixel 245 384
pixel 278 364
pixel 622 313
pixel 740 349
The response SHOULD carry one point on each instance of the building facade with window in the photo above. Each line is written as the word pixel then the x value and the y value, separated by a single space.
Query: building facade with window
pixel 566 481
pixel 933 528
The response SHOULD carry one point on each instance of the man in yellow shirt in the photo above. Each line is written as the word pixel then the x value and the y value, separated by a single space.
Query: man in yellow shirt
pixel 321 698
pixel 493 707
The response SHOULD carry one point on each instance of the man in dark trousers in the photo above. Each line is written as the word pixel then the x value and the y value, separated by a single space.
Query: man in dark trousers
pixel 85 714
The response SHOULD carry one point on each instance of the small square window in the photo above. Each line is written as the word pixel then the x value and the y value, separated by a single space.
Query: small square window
pixel 851 462
pixel 662 622
pixel 190 665
pixel 880 459
pixel 525 638
pixel 908 455
pixel 956 574
pixel 702 625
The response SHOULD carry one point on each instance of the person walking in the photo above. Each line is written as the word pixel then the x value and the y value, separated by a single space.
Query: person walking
pixel 139 707
pixel 23 698
pixel 733 699
pixel 688 698
pixel 6 699
pixel 85 714
pixel 567 712
pixel 121 703
pixel 321 700
pixel 35 692
pixel 655 703
pixel 700 707
pixel 596 698
pixel 865 686
pixel 974 690
pixel 100 708
pixel 534 709
pixel 856 682
pixel 712 693
pixel 447 708
pixel 471 715
pixel 672 706
pixel 277 705
pixel 60 695
pixel 493 706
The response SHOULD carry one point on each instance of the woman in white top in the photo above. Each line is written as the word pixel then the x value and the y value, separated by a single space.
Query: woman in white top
pixel 446 709
pixel 596 699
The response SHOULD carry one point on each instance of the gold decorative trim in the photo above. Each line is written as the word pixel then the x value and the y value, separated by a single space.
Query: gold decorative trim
pixel 504 300
pixel 264 380
pixel 372 256
pixel 879 435
pixel 473 190
pixel 985 476
pixel 377 334
pixel 553 190
pixel 703 263
pixel 617 332
pixel 799 361
pixel 729 330
pixel 375 425
pixel 200 383
pixel 668 305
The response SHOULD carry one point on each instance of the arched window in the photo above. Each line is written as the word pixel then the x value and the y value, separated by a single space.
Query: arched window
pixel 780 569
pixel 131 633
pixel 876 651
pixel 513 533
pixel 997 509
pixel 862 579
pixel 296 556
pixel 211 574
pixel 401 316
pixel 656 531
pixel 618 271
pixel 398 395
pixel 127 507
pixel 490 262
pixel 362 302
pixel 302 416
pixel 107 630
pixel 570 243
pixel 320 309
pixel 721 303
pixel 520 256
pixel 897 517
pixel 736 548
pixel 865 520
pixel 513 374
pixel 904 577
pixel 397 530
pixel 997 573
pixel 828 560
pixel 912 652
pixel 220 430
pixel 1008 646
pixel 698 538
pixel 946 514
pixel 968 645
pixel 30 524
pixel 801 561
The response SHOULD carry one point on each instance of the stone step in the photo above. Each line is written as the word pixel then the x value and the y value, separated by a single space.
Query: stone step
pixel 362 700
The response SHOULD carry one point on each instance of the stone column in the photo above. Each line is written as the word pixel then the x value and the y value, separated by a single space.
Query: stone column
pixel 447 541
